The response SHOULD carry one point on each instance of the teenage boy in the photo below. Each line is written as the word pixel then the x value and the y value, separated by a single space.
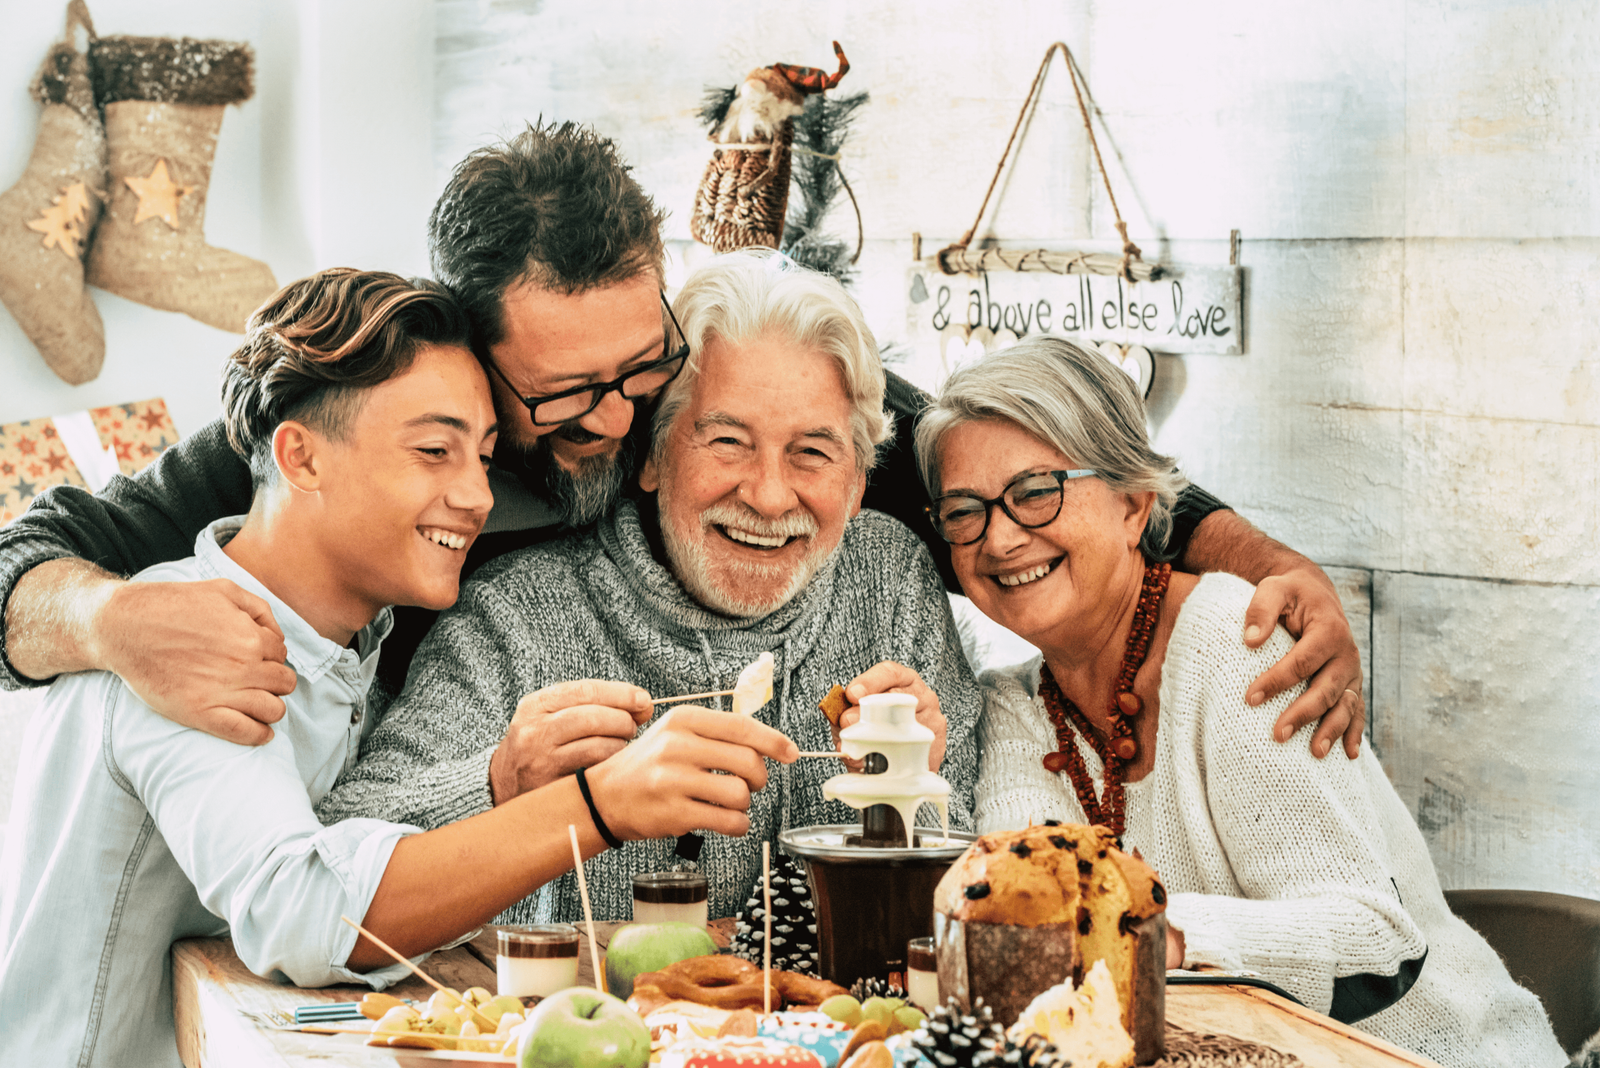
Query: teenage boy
pixel 367 424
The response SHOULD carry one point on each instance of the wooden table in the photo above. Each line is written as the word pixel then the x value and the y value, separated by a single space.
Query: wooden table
pixel 212 989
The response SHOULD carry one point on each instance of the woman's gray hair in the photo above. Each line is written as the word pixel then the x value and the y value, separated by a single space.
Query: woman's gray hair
pixel 752 293
pixel 1074 400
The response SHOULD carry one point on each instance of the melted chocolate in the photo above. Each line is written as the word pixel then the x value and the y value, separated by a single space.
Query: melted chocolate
pixel 539 949
pixel 866 915
pixel 670 895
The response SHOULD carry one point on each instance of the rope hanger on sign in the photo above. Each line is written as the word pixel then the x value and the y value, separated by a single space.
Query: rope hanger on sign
pixel 959 258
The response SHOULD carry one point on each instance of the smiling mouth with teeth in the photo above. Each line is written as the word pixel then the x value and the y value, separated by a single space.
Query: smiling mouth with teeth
pixel 443 537
pixel 759 541
pixel 1022 578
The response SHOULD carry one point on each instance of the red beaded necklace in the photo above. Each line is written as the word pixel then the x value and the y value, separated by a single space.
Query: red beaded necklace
pixel 1119 747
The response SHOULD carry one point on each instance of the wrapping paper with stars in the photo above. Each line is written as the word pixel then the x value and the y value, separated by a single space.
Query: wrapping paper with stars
pixel 33 456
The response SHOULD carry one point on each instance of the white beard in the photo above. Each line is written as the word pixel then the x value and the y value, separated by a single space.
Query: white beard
pixel 690 557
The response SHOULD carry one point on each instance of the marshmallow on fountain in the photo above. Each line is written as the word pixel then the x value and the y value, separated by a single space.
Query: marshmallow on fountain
pixel 889 726
pixel 754 688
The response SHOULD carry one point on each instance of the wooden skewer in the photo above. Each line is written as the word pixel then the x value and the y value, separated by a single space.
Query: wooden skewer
pixel 588 916
pixel 418 972
pixel 766 941
pixel 692 697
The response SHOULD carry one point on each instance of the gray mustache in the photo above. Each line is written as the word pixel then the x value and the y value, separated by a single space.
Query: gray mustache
pixel 793 525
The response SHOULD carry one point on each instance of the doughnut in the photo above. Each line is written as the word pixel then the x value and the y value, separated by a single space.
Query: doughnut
pixel 726 982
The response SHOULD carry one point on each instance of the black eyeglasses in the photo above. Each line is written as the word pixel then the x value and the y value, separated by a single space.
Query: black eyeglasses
pixel 1031 501
pixel 556 408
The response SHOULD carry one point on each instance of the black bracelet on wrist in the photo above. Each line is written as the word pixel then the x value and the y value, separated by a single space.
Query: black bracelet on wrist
pixel 594 813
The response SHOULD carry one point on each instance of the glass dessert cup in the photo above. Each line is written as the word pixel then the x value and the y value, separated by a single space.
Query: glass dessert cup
pixel 922 974
pixel 536 961
pixel 670 897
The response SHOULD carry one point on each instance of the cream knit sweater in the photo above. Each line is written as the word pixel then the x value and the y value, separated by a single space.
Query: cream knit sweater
pixel 1302 870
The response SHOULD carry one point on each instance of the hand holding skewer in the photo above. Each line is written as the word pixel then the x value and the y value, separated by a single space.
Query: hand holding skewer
pixel 891 677
pixel 561 728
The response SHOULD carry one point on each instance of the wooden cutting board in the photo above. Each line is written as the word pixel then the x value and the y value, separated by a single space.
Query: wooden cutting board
pixel 1262 1016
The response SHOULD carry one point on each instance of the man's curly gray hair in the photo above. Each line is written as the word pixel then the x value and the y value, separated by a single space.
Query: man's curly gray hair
pixel 755 292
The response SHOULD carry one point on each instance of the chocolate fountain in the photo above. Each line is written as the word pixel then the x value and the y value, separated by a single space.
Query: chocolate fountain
pixel 872 883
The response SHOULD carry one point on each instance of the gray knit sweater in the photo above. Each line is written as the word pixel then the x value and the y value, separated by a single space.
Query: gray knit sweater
pixel 600 606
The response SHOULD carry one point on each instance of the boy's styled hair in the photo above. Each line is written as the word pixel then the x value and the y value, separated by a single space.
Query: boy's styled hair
pixel 311 350
pixel 554 206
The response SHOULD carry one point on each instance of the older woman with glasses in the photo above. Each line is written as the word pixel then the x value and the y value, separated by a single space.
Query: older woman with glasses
pixel 1310 873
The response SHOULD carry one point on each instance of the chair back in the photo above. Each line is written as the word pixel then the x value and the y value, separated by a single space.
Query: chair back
pixel 1551 945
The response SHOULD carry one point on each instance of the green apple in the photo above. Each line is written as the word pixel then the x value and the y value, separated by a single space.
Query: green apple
pixel 583 1028
pixel 649 947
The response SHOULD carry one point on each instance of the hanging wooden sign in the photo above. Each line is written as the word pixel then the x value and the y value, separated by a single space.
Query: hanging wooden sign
pixel 952 319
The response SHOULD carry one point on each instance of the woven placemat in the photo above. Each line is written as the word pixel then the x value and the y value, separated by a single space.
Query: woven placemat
pixel 1201 1049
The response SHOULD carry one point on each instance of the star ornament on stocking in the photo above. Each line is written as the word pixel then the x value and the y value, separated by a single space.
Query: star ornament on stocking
pixel 158 195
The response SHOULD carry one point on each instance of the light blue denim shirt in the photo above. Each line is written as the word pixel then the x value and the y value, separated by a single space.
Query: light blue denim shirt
pixel 128 831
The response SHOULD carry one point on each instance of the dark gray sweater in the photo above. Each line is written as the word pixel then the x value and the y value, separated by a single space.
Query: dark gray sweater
pixel 600 606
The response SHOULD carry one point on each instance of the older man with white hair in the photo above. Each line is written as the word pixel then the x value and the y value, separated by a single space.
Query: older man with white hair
pixel 750 538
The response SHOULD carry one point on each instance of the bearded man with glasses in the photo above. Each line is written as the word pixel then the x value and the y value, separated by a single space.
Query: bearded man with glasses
pixel 587 492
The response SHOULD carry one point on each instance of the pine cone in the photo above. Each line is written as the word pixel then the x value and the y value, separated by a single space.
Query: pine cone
pixel 794 922
pixel 953 1039
pixel 873 987
pixel 1033 1052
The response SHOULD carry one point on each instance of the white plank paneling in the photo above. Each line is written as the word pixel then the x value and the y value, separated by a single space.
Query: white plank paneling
pixel 1484 716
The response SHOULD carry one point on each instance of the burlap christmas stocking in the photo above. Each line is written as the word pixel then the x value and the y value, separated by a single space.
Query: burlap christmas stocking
pixel 163 100
pixel 47 217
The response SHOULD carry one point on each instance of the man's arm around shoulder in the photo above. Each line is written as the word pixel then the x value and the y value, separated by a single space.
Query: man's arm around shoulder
pixel 1291 587
pixel 207 654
